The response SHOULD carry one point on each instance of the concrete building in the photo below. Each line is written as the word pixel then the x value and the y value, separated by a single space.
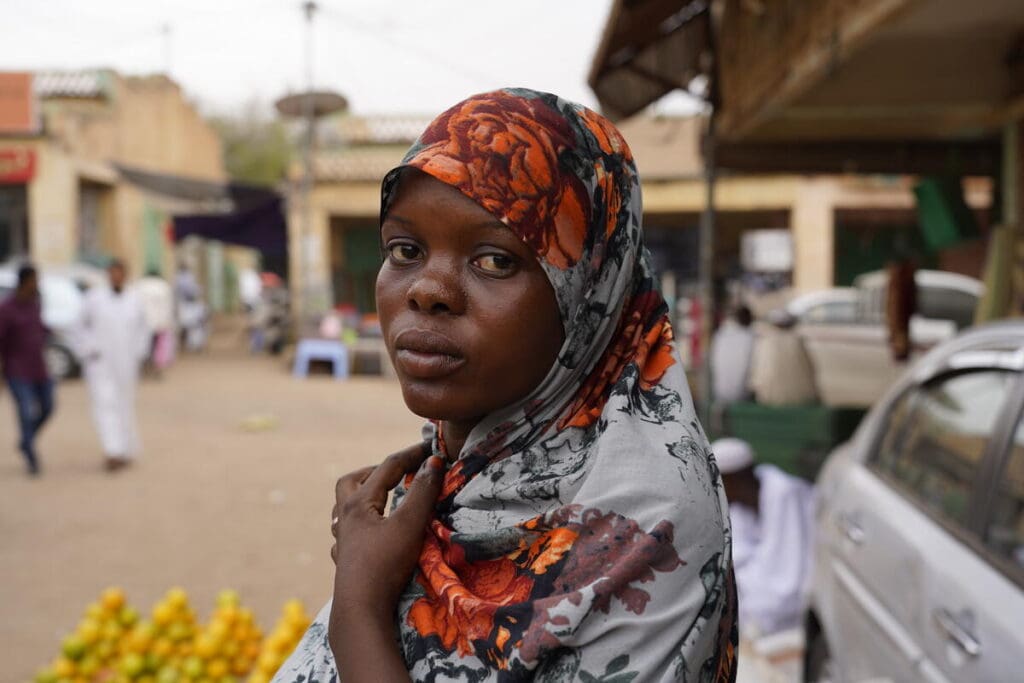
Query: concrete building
pixel 94 164
pixel 821 88
pixel 836 221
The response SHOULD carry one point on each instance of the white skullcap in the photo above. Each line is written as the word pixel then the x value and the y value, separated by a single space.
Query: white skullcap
pixel 732 455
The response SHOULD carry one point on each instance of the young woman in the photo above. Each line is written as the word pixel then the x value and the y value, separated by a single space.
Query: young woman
pixel 563 519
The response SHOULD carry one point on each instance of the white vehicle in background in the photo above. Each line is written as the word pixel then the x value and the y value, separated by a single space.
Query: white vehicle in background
pixel 946 302
pixel 919 558
pixel 846 337
pixel 836 306
pixel 62 302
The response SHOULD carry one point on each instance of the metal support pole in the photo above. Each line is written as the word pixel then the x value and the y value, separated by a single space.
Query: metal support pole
pixel 1011 172
pixel 707 271
pixel 306 233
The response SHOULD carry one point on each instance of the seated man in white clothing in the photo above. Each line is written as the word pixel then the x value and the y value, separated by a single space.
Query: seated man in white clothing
pixel 772 531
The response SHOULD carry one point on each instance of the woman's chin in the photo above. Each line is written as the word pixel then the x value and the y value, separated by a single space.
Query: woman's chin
pixel 437 403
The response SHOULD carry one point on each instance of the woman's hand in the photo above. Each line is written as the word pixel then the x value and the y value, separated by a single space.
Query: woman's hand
pixel 374 558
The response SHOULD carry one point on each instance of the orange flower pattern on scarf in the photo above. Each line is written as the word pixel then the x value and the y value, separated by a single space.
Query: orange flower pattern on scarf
pixel 581 534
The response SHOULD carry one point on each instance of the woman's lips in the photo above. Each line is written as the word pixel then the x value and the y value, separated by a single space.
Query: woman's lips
pixel 421 365
pixel 423 354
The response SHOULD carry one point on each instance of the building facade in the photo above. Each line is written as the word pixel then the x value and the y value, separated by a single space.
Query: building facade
pixel 839 224
pixel 93 165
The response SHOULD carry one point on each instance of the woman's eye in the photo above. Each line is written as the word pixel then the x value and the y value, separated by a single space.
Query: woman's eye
pixel 495 264
pixel 403 252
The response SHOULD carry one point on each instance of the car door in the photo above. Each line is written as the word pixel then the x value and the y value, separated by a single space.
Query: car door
pixel 908 500
pixel 974 628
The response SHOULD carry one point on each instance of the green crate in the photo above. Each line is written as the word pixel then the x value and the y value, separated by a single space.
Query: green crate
pixel 794 438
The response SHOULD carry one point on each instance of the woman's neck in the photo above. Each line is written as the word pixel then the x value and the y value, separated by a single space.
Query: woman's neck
pixel 455 433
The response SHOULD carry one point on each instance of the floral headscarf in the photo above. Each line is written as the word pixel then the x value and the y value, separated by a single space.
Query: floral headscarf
pixel 581 534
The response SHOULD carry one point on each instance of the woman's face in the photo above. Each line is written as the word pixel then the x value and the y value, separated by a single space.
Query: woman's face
pixel 469 317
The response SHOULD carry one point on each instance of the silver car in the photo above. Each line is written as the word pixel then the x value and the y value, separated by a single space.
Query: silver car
pixel 919 562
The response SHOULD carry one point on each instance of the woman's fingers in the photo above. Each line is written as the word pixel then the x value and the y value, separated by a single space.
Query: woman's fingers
pixel 351 482
pixel 417 506
pixel 387 475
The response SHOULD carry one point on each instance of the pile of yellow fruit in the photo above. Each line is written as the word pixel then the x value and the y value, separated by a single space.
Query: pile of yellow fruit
pixel 112 644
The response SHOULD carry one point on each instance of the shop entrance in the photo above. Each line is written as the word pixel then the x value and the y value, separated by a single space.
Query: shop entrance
pixel 13 221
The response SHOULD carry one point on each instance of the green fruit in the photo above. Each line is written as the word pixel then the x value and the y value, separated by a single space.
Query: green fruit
pixel 88 666
pixel 193 667
pixel 178 632
pixel 132 664
pixel 168 674
pixel 153 662
pixel 105 650
pixel 74 648
pixel 128 616
pixel 228 598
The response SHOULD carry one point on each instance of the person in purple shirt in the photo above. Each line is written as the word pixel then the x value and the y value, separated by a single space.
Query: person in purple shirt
pixel 22 338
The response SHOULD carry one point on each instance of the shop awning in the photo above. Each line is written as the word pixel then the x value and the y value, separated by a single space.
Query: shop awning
pixel 650 48
pixel 234 213
pixel 880 86
pixel 257 221
pixel 179 194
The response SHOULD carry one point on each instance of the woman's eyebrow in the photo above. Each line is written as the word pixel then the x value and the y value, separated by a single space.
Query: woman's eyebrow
pixel 396 219
pixel 492 225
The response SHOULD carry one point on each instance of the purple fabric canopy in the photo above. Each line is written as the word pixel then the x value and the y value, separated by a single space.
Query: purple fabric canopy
pixel 257 221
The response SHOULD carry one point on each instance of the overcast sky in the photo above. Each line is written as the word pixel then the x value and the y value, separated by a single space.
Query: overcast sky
pixel 385 56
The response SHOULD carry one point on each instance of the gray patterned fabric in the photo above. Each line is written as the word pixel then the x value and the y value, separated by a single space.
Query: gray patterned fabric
pixel 582 534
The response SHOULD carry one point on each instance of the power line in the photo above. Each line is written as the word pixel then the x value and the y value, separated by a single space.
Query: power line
pixel 349 23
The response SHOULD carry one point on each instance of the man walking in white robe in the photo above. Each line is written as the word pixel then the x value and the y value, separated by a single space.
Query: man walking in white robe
pixel 113 340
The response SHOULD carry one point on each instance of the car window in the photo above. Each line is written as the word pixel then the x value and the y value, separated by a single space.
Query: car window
pixel 945 303
pixel 1005 533
pixel 832 312
pixel 936 437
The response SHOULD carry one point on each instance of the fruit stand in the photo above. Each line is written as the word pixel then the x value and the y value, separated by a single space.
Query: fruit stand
pixel 113 643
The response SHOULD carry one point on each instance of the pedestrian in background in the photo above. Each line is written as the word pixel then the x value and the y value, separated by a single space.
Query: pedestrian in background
pixel 22 340
pixel 781 371
pixel 731 351
pixel 157 298
pixel 114 340
pixel 191 310
pixel 772 516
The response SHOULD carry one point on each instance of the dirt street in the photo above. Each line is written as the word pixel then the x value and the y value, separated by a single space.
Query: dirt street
pixel 234 489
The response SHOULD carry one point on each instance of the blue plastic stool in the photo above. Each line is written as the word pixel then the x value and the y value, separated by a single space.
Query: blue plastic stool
pixel 309 350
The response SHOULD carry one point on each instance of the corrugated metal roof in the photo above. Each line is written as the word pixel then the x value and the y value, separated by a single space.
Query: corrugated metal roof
pixel 367 164
pixel 649 48
pixel 379 130
pixel 90 84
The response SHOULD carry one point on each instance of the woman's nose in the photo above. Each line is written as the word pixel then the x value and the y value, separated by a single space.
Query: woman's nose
pixel 437 289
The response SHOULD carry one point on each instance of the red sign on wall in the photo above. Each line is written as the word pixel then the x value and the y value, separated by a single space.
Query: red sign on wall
pixel 17 103
pixel 17 165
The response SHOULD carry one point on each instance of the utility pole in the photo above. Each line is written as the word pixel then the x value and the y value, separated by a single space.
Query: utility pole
pixel 306 277
pixel 707 272
pixel 309 113
pixel 166 35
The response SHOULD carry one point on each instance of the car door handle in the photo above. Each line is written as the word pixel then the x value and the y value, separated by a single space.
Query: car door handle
pixel 850 528
pixel 954 630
